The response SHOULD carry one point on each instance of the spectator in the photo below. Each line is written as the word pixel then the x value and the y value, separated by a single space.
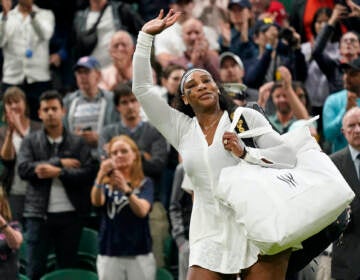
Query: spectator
pixel 60 171
pixel 170 80
pixel 197 52
pixel 349 49
pixel 237 39
pixel 125 196
pixel 120 71
pixel 117 15
pixel 25 32
pixel 212 15
pixel 150 142
pixel 337 104
pixel 276 47
pixel 89 108
pixel 10 240
pixel 344 260
pixel 288 107
pixel 302 13
pixel 180 213
pixel 60 54
pixel 153 148
pixel 231 73
pixel 316 82
pixel 18 125
pixel 169 45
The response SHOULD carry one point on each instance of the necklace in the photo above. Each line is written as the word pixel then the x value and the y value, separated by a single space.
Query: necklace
pixel 206 129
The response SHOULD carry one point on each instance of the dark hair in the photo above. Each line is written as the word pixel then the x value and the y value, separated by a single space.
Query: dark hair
pixel 120 91
pixel 226 102
pixel 327 11
pixel 276 85
pixel 51 94
pixel 298 84
pixel 171 68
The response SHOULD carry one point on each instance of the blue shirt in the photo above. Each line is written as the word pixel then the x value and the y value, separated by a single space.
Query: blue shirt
pixel 333 112
pixel 122 233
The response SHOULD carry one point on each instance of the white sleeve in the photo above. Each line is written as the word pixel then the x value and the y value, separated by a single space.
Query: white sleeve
pixel 170 122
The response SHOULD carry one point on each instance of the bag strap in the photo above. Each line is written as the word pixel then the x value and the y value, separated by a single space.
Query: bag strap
pixel 248 133
pixel 99 18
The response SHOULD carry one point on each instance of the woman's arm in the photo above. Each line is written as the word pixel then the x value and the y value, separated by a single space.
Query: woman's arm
pixel 13 237
pixel 97 193
pixel 7 149
pixel 170 122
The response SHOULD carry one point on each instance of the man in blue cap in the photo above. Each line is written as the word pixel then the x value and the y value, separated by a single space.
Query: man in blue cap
pixel 89 108
pixel 239 42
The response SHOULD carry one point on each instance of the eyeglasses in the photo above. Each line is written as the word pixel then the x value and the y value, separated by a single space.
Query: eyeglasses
pixel 349 40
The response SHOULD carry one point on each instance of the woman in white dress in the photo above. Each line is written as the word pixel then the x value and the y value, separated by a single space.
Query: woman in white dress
pixel 218 246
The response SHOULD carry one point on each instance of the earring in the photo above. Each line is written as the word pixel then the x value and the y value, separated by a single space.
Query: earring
pixel 219 92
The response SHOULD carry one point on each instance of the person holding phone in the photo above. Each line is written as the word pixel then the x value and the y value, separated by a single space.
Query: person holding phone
pixel 125 197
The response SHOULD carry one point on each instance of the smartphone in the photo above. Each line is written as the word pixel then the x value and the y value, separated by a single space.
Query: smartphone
pixel 88 128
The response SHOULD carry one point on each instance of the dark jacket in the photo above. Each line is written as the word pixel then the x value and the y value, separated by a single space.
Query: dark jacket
pixel 258 68
pixel 330 67
pixel 346 252
pixel 77 182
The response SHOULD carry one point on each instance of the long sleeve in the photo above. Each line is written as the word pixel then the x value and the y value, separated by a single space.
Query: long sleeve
pixel 170 122
pixel 43 23
pixel 333 112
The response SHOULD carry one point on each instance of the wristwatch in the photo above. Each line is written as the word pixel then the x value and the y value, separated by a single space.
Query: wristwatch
pixel 128 194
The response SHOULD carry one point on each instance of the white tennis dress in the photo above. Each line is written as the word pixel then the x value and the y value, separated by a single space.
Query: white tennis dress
pixel 216 241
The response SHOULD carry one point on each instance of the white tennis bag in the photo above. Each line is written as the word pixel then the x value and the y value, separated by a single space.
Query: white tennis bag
pixel 280 208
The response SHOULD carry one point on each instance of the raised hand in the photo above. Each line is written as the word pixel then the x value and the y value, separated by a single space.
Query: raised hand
pixel 160 23
pixel 355 9
pixel 6 6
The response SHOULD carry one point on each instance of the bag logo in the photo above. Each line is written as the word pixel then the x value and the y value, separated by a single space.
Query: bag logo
pixel 289 179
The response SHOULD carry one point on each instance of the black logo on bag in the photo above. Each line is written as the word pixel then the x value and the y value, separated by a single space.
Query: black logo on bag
pixel 289 179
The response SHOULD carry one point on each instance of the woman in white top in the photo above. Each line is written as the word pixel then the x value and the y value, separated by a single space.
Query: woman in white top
pixel 218 246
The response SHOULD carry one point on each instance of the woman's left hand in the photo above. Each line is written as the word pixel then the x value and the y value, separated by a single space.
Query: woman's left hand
pixel 232 143
pixel 158 24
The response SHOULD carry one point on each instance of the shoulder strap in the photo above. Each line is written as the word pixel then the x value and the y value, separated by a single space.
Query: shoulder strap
pixel 240 126
pixel 99 18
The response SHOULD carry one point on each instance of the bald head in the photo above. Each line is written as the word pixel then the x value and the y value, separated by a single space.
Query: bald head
pixel 121 46
pixel 192 31
pixel 351 127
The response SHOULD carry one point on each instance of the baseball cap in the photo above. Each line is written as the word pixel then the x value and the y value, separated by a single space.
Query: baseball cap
pixel 88 62
pixel 278 8
pixel 353 65
pixel 233 56
pixel 240 3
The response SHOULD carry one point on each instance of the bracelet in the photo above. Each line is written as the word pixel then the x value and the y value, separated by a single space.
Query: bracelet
pixel 99 186
pixel 128 194
pixel 244 154
pixel 3 227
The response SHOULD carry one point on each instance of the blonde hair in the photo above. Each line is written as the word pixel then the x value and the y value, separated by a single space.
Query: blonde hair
pixel 136 173
pixel 15 93
pixel 4 205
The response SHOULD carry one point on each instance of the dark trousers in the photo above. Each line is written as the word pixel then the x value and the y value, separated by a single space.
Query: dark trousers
pixel 32 92
pixel 60 231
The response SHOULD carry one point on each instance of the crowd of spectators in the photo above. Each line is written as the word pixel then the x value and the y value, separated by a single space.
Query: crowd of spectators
pixel 62 104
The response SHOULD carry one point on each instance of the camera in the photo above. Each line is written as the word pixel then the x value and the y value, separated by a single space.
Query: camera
pixel 287 35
